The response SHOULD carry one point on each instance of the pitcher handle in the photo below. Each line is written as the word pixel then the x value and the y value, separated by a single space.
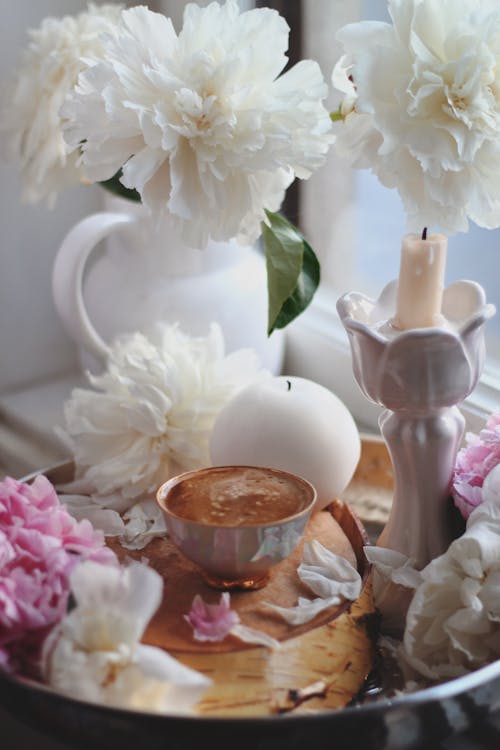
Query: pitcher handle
pixel 67 276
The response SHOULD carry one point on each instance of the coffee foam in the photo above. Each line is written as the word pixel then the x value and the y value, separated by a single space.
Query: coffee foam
pixel 238 496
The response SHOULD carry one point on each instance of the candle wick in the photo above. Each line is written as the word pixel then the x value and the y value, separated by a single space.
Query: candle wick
pixel 424 233
pixel 289 385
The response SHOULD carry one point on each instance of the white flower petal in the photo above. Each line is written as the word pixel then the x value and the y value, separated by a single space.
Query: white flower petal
pixel 258 637
pixel 305 610
pixel 141 167
pixel 182 687
pixel 393 566
pixel 145 521
pixel 113 605
pixel 108 521
pixel 491 492
pixel 328 574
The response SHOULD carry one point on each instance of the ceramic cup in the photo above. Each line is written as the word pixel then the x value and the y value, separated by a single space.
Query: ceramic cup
pixel 236 522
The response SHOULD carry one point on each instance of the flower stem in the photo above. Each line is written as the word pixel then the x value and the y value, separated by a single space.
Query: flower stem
pixel 337 115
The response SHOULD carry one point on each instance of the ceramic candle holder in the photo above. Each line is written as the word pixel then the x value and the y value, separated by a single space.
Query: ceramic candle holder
pixel 419 376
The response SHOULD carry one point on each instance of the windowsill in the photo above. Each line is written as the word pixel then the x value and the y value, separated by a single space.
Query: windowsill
pixel 317 348
pixel 28 421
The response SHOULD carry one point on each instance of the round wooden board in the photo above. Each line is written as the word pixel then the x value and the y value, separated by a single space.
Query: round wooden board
pixel 182 581
pixel 334 657
pixel 322 665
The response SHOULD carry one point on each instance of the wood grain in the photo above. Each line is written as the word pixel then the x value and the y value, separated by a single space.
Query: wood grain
pixel 320 666
pixel 258 682
pixel 337 656
pixel 370 491
pixel 182 582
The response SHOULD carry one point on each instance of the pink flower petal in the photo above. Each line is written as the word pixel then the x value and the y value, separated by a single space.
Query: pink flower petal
pixel 212 622
pixel 40 544
pixel 473 464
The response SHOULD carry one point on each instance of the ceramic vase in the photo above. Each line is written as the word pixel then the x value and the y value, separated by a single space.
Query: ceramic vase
pixel 143 272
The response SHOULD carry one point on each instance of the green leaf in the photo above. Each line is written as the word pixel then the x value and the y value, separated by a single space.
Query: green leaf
pixel 114 186
pixel 307 284
pixel 293 271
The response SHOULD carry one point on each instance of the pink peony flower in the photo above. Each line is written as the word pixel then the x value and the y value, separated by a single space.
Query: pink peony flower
pixel 212 622
pixel 40 544
pixel 474 462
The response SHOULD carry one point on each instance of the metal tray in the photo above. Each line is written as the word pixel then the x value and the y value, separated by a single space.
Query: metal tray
pixel 465 706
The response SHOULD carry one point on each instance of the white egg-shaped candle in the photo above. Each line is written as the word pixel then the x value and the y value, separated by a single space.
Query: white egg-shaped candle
pixel 292 424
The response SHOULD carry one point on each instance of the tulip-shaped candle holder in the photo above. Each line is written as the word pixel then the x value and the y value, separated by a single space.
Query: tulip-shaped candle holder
pixel 419 375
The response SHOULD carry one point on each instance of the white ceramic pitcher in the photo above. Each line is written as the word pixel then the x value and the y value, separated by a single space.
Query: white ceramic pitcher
pixel 145 273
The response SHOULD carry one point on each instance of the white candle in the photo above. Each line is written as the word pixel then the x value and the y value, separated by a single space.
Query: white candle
pixel 421 282
pixel 292 424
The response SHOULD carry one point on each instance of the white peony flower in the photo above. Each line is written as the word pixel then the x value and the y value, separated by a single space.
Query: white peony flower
pixel 95 653
pixel 202 122
pixel 426 115
pixel 151 412
pixel 453 622
pixel 31 123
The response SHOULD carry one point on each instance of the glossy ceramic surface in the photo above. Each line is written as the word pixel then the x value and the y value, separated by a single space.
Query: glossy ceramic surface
pixel 419 375
pixel 421 369
pixel 236 556
pixel 151 275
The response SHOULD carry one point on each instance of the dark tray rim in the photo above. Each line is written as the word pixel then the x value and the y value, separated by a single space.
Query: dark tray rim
pixel 445 690
pixel 410 721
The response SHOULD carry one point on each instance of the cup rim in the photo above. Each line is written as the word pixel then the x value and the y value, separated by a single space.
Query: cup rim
pixel 164 488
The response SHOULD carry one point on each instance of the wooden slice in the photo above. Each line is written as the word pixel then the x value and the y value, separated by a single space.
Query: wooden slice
pixel 182 582
pixel 320 665
pixel 328 658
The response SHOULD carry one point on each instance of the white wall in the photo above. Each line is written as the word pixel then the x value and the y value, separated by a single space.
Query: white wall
pixel 32 342
pixel 175 8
